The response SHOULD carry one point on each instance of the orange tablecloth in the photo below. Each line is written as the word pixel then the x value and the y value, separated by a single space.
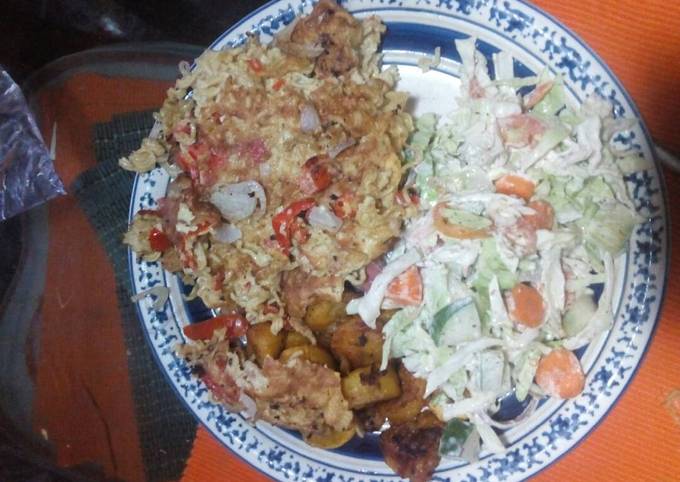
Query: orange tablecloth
pixel 638 440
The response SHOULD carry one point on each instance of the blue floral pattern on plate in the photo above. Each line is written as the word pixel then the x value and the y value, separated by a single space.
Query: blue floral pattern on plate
pixel 415 27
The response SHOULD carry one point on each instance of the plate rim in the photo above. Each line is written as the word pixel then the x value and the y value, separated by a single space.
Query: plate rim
pixel 664 212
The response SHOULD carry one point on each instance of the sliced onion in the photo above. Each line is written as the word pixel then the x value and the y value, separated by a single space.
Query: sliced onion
pixel 233 206
pixel 334 152
pixel 320 216
pixel 309 119
pixel 239 201
pixel 249 406
pixel 265 169
pixel 261 197
pixel 373 269
pixel 227 233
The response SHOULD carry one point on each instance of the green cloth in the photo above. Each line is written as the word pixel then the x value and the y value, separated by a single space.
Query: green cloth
pixel 166 428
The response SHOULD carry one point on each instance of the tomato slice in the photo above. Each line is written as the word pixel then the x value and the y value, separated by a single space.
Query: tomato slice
pixel 158 240
pixel 283 222
pixel 235 324
pixel 520 130
pixel 544 217
pixel 406 289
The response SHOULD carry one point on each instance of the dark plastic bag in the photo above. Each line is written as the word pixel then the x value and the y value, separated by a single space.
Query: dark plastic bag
pixel 27 175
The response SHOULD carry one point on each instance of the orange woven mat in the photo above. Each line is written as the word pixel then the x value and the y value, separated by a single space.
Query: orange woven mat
pixel 639 439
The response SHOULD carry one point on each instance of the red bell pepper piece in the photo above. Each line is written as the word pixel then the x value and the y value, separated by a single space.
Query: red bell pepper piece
pixel 315 176
pixel 278 84
pixel 255 65
pixel 235 324
pixel 158 240
pixel 283 221
pixel 343 206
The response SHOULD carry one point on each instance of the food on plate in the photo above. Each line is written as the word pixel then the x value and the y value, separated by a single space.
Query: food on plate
pixel 509 266
pixel 287 163
pixel 412 450
pixel 288 159
pixel 368 385
pixel 373 275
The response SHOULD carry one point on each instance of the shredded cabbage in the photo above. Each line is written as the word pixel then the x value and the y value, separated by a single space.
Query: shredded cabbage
pixel 463 339
pixel 368 307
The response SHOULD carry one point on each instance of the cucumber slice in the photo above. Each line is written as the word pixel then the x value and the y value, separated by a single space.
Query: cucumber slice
pixel 466 219
pixel 457 322
pixel 578 315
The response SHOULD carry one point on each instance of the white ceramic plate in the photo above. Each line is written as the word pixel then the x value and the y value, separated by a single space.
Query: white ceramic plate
pixel 415 28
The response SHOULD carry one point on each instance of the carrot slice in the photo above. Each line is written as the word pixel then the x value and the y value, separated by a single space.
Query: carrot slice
pixel 446 228
pixel 526 305
pixel 544 217
pixel 406 289
pixel 537 95
pixel 514 185
pixel 559 374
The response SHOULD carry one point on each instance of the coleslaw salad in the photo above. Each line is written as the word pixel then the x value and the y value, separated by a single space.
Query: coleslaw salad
pixel 523 211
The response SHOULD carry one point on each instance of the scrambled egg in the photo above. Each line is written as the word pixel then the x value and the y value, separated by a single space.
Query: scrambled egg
pixel 308 118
